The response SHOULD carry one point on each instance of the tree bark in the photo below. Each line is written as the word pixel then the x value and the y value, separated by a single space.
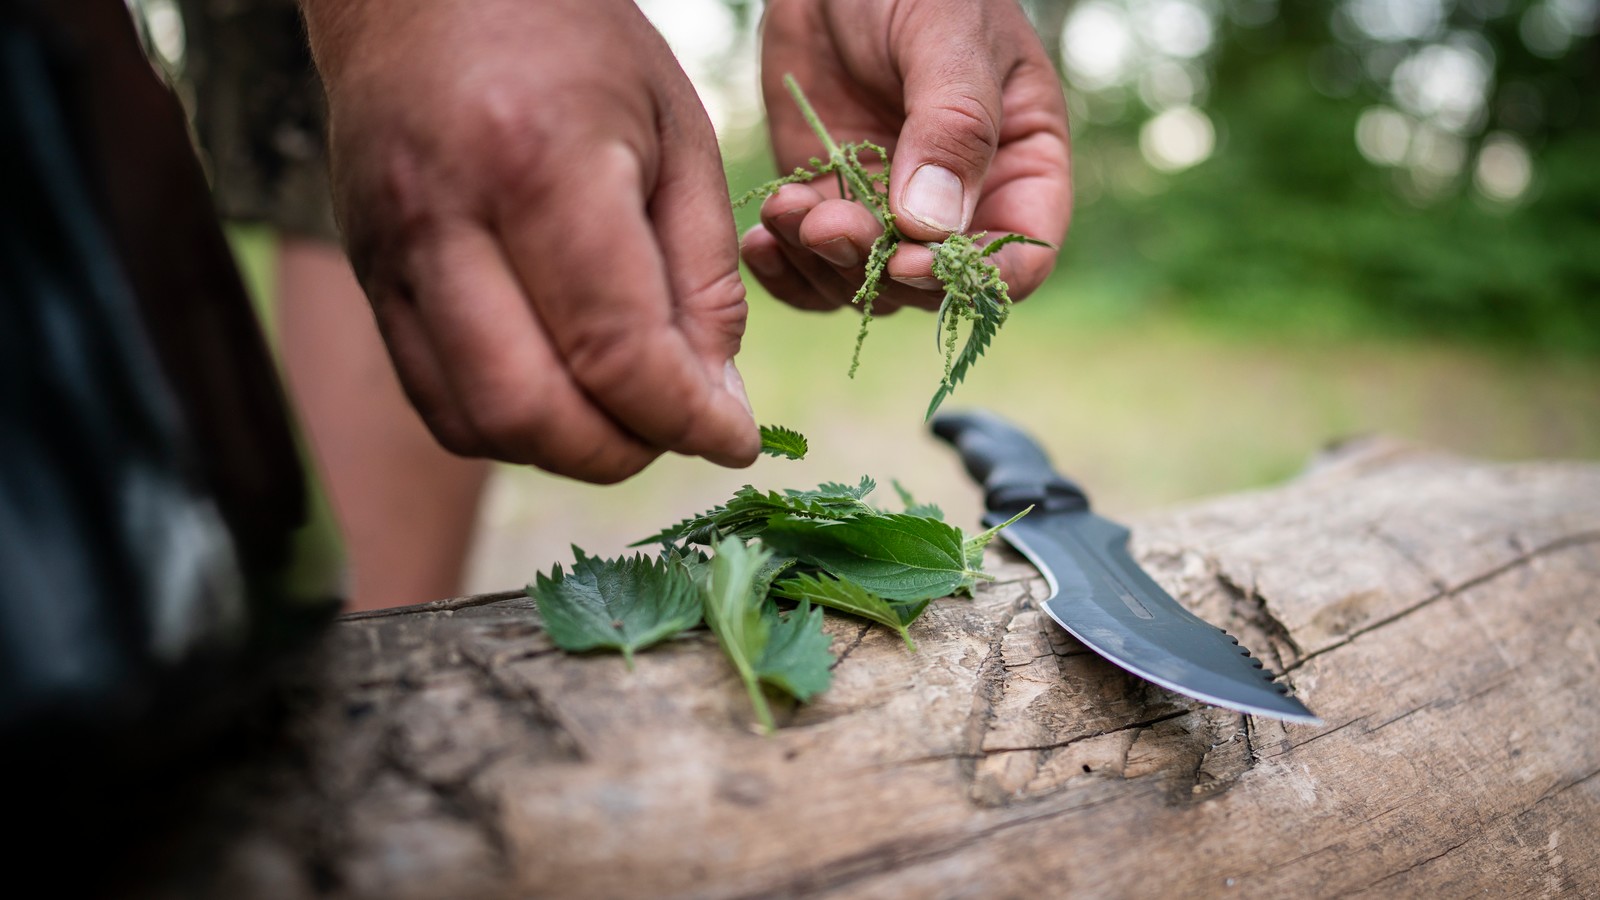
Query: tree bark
pixel 1440 613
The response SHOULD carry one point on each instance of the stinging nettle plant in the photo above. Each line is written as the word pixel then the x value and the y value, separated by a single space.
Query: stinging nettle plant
pixel 729 567
pixel 974 291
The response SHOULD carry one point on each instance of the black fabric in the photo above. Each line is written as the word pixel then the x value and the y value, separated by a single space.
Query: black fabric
pixel 139 593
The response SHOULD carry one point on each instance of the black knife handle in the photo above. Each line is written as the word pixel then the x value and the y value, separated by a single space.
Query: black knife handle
pixel 1014 471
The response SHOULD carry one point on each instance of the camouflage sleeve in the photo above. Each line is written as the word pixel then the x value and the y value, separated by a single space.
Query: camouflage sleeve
pixel 259 113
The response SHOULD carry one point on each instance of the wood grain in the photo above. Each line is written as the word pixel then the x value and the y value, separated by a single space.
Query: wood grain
pixel 1441 614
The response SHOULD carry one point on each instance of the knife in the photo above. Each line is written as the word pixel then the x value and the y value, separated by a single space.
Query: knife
pixel 1097 591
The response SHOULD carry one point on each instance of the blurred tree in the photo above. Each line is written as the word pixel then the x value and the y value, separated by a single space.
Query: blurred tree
pixel 1400 165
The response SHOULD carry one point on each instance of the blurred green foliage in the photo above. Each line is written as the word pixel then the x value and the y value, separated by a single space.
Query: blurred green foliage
pixel 1287 225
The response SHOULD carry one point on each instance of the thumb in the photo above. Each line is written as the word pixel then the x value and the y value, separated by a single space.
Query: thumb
pixel 952 127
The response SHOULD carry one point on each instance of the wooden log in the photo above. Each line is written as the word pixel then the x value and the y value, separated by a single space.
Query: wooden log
pixel 1442 615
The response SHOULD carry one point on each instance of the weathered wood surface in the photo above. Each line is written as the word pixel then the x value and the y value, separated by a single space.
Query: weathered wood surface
pixel 1442 615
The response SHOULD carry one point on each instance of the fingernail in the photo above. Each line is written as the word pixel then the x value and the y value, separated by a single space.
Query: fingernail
pixel 764 261
pixel 921 282
pixel 934 198
pixel 840 252
pixel 734 382
pixel 787 226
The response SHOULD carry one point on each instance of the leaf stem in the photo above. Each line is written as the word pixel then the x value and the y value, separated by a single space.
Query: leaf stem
pixel 836 155
pixel 812 118
pixel 758 699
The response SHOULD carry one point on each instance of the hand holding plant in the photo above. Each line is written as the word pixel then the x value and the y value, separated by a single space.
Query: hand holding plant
pixel 960 94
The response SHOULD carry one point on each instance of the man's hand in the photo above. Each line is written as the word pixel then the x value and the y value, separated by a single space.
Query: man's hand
pixel 532 197
pixel 964 98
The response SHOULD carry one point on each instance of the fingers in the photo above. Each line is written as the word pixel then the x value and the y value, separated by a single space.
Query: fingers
pixel 586 256
pixel 481 369
pixel 811 253
pixel 986 105
pixel 952 128
pixel 768 262
pixel 803 278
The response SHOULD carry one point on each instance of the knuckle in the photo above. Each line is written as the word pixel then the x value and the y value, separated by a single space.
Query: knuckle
pixel 504 121
pixel 605 461
pixel 514 142
pixel 605 352
pixel 718 307
pixel 455 436
pixel 624 369
pixel 504 422
pixel 406 212
pixel 610 466
pixel 965 129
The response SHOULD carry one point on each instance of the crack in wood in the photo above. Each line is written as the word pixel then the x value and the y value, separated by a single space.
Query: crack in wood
pixel 1377 531
pixel 1053 654
pixel 1320 735
pixel 1250 606
pixel 433 606
pixel 842 873
pixel 985 752
pixel 861 635
pixel 1476 834
pixel 991 751
pixel 1416 865
pixel 1565 543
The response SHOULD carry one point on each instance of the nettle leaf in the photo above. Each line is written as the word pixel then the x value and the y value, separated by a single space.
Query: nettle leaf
pixel 987 317
pixel 909 610
pixel 693 563
pixel 895 556
pixel 783 442
pixel 789 653
pixel 847 597
pixel 913 508
pixel 734 612
pixel 997 243
pixel 973 546
pixel 836 492
pixel 769 572
pixel 796 659
pixel 623 604
pixel 746 514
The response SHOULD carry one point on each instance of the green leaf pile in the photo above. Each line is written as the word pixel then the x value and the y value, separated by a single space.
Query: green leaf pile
pixel 823 548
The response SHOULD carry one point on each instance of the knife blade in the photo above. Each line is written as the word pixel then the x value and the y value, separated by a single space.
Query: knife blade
pixel 1097 591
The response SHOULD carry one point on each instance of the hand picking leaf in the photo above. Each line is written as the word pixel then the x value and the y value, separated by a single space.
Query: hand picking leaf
pixel 844 596
pixel 895 556
pixel 625 604
pixel 744 625
pixel 783 442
